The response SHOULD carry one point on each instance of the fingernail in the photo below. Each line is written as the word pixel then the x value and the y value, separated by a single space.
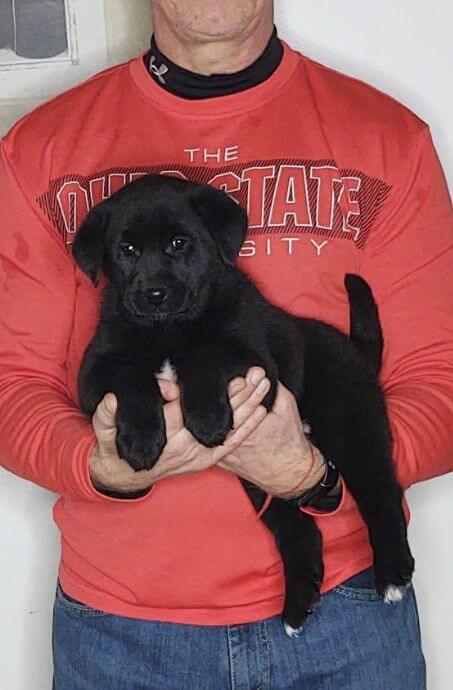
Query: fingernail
pixel 256 377
pixel 263 385
pixel 237 387
pixel 110 405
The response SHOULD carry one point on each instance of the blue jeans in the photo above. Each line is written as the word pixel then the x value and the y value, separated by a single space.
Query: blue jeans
pixel 353 641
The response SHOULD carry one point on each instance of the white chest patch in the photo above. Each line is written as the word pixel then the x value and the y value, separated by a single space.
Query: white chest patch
pixel 167 372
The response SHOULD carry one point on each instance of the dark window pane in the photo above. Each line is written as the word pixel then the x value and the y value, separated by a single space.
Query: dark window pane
pixel 40 28
pixel 6 24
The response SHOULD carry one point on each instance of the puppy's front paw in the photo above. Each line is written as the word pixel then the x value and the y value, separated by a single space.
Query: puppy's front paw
pixel 208 420
pixel 140 445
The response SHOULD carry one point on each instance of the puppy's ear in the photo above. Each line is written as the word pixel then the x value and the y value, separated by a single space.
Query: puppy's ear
pixel 226 220
pixel 89 244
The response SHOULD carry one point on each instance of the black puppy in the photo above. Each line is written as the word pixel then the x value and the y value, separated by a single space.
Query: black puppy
pixel 168 248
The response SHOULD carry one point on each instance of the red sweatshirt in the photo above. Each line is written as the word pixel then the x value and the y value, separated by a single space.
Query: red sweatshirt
pixel 337 178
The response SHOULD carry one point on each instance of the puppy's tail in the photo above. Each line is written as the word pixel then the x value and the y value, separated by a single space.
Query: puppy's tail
pixel 365 327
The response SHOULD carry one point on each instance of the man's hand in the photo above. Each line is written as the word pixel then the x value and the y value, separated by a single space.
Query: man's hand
pixel 182 453
pixel 277 456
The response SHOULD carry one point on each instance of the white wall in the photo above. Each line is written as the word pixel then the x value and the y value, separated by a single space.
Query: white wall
pixel 402 47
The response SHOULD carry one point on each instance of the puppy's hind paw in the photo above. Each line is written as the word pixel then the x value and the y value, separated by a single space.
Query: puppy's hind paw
pixel 292 632
pixel 394 593
pixel 297 611
pixel 392 578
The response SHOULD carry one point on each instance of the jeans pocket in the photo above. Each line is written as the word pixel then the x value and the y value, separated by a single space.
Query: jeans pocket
pixel 367 593
pixel 74 606
pixel 359 587
pixel 358 593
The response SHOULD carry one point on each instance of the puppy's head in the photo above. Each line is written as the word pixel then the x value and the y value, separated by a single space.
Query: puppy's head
pixel 163 243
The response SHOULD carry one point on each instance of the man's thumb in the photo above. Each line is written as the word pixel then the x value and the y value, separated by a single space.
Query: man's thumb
pixel 104 420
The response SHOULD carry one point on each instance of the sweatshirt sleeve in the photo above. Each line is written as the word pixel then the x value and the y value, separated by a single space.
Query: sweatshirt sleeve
pixel 408 261
pixel 43 435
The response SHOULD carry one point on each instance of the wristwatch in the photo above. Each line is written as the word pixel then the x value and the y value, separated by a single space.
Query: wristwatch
pixel 320 490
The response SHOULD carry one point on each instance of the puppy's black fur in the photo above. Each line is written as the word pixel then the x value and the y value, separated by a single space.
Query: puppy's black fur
pixel 168 248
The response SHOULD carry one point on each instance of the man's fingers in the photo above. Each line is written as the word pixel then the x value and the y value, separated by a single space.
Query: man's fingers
pixel 255 375
pixel 238 436
pixel 285 402
pixel 174 421
pixel 170 391
pixel 250 424
pixel 241 389
pixel 236 386
pixel 248 406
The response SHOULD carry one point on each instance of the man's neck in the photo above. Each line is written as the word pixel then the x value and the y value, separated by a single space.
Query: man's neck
pixel 218 56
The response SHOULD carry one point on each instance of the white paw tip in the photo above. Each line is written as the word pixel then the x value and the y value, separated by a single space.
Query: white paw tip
pixel 393 593
pixel 292 632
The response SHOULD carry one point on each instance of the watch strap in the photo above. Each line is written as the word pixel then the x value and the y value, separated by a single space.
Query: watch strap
pixel 319 490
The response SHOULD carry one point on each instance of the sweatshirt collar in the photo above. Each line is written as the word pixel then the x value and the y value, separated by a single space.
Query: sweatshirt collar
pixel 186 84
pixel 243 101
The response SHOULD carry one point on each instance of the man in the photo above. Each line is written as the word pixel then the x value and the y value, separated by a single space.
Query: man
pixel 168 579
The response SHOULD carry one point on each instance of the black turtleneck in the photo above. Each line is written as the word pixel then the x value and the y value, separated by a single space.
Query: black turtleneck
pixel 186 84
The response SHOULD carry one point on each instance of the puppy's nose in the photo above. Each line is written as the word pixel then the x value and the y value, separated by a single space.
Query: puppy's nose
pixel 157 295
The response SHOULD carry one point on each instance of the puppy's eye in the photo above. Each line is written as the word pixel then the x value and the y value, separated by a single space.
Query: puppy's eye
pixel 178 243
pixel 129 249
